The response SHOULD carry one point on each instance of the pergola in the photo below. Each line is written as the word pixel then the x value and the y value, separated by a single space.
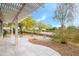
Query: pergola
pixel 14 12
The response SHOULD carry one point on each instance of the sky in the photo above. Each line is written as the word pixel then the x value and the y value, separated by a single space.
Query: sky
pixel 45 15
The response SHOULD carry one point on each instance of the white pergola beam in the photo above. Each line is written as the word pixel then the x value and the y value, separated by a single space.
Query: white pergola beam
pixel 13 8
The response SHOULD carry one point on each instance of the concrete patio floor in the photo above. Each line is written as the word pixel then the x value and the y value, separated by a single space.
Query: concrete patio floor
pixel 24 48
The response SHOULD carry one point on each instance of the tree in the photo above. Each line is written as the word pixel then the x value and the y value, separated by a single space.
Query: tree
pixel 42 26
pixel 65 12
pixel 28 23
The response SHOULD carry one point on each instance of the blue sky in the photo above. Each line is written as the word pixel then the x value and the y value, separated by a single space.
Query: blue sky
pixel 45 15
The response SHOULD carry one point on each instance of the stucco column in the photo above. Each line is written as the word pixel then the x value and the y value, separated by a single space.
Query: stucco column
pixel 1 29
pixel 11 31
pixel 16 31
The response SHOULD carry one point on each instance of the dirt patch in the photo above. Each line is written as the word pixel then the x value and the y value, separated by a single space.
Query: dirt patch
pixel 63 49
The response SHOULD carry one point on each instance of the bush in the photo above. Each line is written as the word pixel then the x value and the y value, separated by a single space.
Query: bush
pixel 51 29
pixel 4 32
pixel 69 34
pixel 58 37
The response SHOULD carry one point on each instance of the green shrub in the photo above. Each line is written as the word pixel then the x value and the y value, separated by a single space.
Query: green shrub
pixel 4 32
pixel 69 34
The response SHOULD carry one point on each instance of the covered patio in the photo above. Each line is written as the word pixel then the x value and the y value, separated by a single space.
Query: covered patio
pixel 16 45
pixel 13 13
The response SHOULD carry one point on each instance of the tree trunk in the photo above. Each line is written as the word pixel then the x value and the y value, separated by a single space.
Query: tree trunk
pixel 62 32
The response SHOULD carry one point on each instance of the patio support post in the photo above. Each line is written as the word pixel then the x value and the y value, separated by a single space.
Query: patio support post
pixel 16 30
pixel 1 29
pixel 11 31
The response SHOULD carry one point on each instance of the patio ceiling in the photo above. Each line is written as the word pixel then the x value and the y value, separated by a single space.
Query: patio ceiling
pixel 10 11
